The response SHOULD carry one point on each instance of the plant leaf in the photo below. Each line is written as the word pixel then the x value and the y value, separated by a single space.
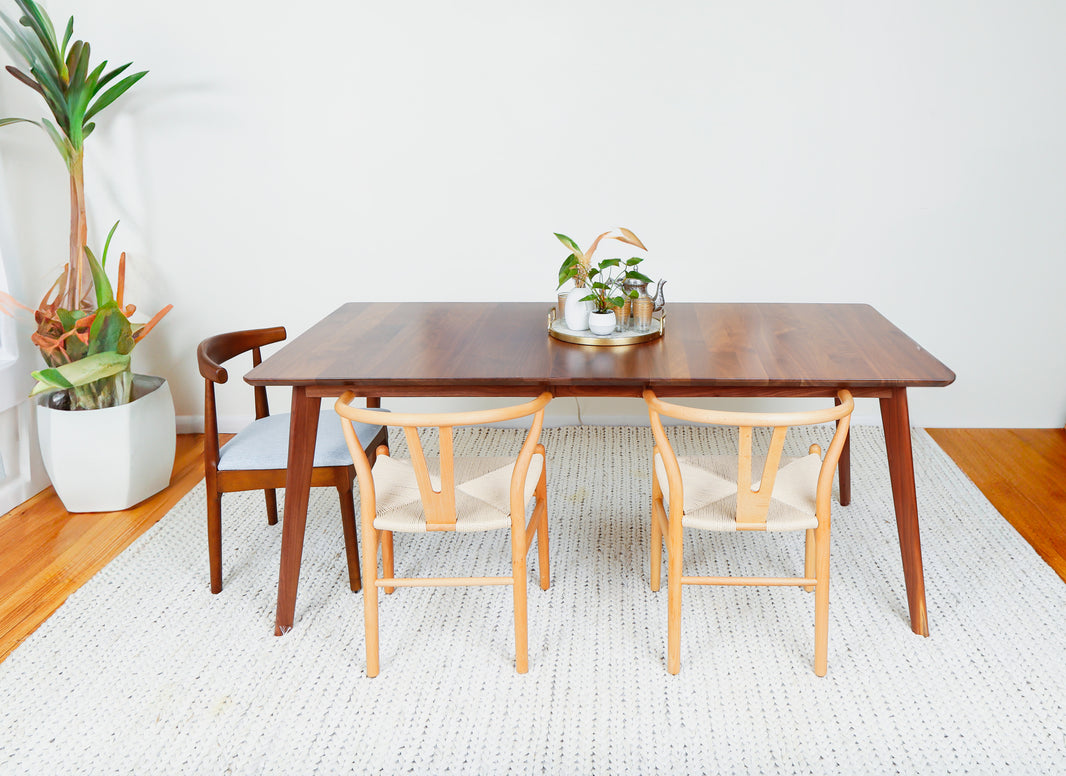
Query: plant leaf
pixel 104 294
pixel 52 377
pixel 630 238
pixel 78 93
pixel 37 20
pixel 5 122
pixel 69 318
pixel 114 93
pixel 568 268
pixel 140 331
pixel 110 330
pixel 81 372
pixel 67 35
pixel 54 94
pixel 112 74
pixel 16 42
pixel 107 244
pixel 588 256
pixel 570 244
pixel 61 142
pixel 20 76
pixel 73 58
pixel 93 79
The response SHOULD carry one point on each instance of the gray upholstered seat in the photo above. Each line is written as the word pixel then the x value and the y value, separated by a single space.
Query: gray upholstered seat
pixel 264 444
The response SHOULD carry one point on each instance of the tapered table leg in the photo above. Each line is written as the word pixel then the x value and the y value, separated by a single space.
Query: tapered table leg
pixel 895 418
pixel 303 426
pixel 844 469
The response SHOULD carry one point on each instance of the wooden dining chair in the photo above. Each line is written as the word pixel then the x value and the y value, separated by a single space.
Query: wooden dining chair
pixel 717 493
pixel 456 494
pixel 257 457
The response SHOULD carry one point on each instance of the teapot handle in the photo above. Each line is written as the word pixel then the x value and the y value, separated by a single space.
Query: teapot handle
pixel 659 297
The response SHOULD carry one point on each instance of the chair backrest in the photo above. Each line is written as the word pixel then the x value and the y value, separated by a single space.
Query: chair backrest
pixel 439 505
pixel 212 353
pixel 753 505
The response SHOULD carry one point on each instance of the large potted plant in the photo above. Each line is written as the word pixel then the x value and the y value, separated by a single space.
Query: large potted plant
pixel 107 435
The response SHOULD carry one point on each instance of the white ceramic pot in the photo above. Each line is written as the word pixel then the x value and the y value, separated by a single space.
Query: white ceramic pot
pixel 110 459
pixel 602 324
pixel 576 312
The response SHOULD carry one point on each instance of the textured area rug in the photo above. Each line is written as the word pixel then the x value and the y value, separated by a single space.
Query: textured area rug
pixel 143 671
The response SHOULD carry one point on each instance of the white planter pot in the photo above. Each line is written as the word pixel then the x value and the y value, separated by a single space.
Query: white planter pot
pixel 576 312
pixel 110 459
pixel 602 324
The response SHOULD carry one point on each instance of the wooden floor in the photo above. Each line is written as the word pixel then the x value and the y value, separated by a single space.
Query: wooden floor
pixel 1023 473
pixel 47 553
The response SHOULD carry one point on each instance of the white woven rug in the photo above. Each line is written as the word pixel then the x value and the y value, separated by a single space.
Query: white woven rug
pixel 144 672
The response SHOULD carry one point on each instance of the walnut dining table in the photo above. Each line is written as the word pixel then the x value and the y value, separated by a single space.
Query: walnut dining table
pixel 386 349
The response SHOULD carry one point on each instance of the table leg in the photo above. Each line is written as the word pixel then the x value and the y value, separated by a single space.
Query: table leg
pixel 844 469
pixel 303 426
pixel 895 418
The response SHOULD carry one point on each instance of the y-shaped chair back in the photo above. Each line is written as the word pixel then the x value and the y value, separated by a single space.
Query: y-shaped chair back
pixel 721 493
pixel 456 494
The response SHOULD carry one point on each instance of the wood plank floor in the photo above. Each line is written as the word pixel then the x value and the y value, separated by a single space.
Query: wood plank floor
pixel 1023 473
pixel 47 553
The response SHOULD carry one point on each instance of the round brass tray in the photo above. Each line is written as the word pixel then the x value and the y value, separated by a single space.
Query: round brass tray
pixel 557 329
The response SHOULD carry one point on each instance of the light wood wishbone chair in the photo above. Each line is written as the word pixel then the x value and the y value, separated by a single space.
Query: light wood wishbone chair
pixel 469 494
pixel 717 493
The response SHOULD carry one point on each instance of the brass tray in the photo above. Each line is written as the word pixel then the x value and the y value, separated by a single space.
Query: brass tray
pixel 557 329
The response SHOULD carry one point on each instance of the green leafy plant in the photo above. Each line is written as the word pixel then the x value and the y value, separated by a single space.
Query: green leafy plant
pixel 83 330
pixel 605 283
pixel 577 265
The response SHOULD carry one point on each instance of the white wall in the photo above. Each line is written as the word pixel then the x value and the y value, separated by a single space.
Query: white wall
pixel 283 158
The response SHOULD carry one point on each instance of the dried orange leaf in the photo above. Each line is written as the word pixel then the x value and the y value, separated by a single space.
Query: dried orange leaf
pixel 630 238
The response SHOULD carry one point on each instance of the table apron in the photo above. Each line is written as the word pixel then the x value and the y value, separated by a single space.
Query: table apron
pixel 631 391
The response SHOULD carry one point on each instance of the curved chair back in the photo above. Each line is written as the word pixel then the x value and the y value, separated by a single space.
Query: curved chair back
pixel 753 504
pixel 439 503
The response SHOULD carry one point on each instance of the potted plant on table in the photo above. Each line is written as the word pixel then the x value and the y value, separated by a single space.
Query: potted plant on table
pixel 83 327
pixel 576 267
pixel 605 291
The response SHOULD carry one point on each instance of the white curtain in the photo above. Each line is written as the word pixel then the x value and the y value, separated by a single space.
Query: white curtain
pixel 13 384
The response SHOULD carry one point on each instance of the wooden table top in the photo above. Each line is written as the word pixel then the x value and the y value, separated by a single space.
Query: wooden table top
pixel 503 349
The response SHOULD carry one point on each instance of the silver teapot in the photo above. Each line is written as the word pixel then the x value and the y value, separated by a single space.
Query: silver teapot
pixel 644 304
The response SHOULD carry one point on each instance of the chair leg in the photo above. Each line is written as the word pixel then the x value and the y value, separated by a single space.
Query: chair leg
pixel 521 628
pixel 808 557
pixel 370 599
pixel 673 604
pixel 387 565
pixel 656 546
pixel 214 540
pixel 272 506
pixel 541 503
pixel 351 543
pixel 656 531
pixel 821 606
